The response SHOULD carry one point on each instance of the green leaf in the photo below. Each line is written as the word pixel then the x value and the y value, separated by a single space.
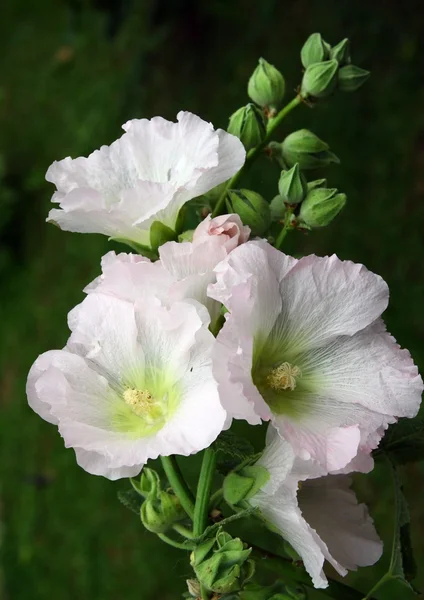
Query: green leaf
pixel 231 450
pixel 160 234
pixel 404 441
pixel 131 499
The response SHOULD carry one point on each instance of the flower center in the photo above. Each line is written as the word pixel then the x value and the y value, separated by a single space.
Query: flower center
pixel 284 377
pixel 140 401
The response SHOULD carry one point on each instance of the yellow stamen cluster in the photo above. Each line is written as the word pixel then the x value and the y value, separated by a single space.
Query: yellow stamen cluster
pixel 284 377
pixel 140 401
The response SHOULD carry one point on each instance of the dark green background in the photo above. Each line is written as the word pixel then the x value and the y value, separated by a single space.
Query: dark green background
pixel 71 74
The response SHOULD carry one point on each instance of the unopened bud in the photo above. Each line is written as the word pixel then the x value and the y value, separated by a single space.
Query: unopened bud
pixel 266 86
pixel 158 513
pixel 243 484
pixel 320 207
pixel 292 185
pixel 319 79
pixel 278 208
pixel 314 50
pixel 307 149
pixel 248 124
pixel 350 78
pixel 253 210
pixel 341 52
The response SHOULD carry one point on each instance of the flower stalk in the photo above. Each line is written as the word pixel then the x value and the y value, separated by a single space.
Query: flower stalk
pixel 178 483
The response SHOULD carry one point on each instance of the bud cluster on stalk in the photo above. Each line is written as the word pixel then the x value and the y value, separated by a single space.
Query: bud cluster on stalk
pixel 328 68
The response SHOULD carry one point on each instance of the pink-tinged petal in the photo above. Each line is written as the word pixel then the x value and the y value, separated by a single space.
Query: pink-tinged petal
pixel 228 228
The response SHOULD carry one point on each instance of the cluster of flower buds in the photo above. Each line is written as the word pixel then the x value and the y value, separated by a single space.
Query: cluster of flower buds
pixel 222 563
pixel 160 509
pixel 328 68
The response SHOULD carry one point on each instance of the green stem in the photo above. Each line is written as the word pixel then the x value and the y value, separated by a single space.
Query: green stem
pixel 175 544
pixel 285 230
pixel 216 498
pixel 254 152
pixel 201 509
pixel 178 484
pixel 386 577
pixel 184 531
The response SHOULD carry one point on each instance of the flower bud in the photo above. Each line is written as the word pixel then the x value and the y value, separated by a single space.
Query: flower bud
pixel 278 208
pixel 292 185
pixel 266 85
pixel 222 563
pixel 314 50
pixel 149 482
pixel 253 210
pixel 319 79
pixel 243 484
pixel 341 52
pixel 307 149
pixel 248 124
pixel 320 207
pixel 226 230
pixel 159 512
pixel 351 78
pixel 193 587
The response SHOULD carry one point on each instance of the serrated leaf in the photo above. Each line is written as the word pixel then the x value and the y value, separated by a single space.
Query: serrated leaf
pixel 404 441
pixel 131 499
pixel 231 450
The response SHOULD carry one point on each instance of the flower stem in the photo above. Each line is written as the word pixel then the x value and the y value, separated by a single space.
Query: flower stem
pixel 386 577
pixel 184 531
pixel 175 544
pixel 204 487
pixel 201 509
pixel 253 153
pixel 285 230
pixel 178 484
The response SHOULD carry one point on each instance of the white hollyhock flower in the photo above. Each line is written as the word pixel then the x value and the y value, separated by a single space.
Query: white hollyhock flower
pixel 184 270
pixel 145 176
pixel 304 347
pixel 134 382
pixel 317 513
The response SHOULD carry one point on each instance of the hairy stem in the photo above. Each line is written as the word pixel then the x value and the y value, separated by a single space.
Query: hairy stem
pixel 178 484
pixel 174 544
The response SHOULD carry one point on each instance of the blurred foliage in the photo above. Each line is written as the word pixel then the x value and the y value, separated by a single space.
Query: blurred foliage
pixel 72 72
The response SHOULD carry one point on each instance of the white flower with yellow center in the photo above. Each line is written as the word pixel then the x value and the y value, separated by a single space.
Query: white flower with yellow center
pixel 304 347
pixel 317 513
pixel 147 175
pixel 134 382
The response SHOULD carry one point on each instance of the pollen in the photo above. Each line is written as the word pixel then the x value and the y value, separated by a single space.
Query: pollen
pixel 140 401
pixel 284 377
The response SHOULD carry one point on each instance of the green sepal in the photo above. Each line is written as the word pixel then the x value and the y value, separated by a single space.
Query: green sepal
pixel 317 183
pixel 248 124
pixel 266 86
pixel 292 185
pixel 351 78
pixel 186 236
pixel 160 234
pixel 245 483
pixel 253 210
pixel 319 79
pixel 314 50
pixel 158 513
pixel 321 206
pixel 341 52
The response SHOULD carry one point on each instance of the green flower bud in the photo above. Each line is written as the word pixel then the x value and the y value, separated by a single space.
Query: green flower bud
pixel 319 79
pixel 186 236
pixel 276 153
pixel 253 210
pixel 160 234
pixel 316 184
pixel 159 512
pixel 243 484
pixel 149 482
pixel 222 563
pixel 266 86
pixel 314 50
pixel 351 78
pixel 341 52
pixel 292 185
pixel 278 208
pixel 248 124
pixel 320 207
pixel 307 149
